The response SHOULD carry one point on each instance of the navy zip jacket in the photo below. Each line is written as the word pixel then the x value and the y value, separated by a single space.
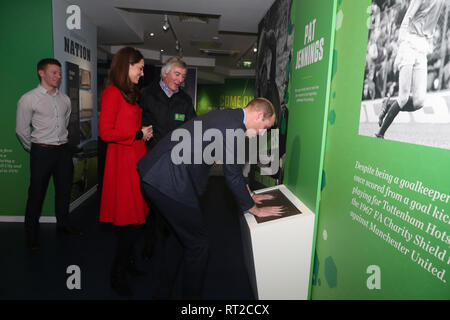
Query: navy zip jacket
pixel 164 113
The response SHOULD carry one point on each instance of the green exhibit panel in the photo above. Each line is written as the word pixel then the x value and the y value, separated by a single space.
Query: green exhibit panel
pixel 380 201
pixel 40 31
pixel 384 217
pixel 28 41
pixel 309 87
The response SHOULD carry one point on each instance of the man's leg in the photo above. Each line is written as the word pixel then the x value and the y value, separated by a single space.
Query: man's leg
pixel 405 84
pixel 40 171
pixel 62 178
pixel 188 225
pixel 419 87
pixel 392 113
pixel 385 106
pixel 156 231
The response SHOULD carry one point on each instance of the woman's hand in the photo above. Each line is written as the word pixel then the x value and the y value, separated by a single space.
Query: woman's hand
pixel 147 133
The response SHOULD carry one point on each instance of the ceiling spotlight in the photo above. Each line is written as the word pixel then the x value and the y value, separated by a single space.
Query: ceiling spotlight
pixel 162 50
pixel 152 34
pixel 166 25
pixel 255 49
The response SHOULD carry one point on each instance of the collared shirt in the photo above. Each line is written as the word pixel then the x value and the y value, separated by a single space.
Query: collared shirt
pixel 47 114
pixel 166 89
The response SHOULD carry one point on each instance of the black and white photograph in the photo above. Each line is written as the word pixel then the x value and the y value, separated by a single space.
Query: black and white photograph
pixel 275 40
pixel 406 88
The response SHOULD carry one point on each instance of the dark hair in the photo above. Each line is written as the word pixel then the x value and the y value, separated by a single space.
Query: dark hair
pixel 42 65
pixel 118 75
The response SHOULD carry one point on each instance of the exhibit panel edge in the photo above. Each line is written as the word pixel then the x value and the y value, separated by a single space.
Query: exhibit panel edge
pixel 324 138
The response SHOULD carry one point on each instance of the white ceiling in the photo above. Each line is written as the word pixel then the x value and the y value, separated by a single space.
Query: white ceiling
pixel 228 27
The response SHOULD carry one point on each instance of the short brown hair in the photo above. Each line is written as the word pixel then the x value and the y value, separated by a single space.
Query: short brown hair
pixel 42 65
pixel 118 75
pixel 262 104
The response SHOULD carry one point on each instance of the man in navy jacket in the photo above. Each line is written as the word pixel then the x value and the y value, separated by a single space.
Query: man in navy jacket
pixel 174 174
pixel 165 106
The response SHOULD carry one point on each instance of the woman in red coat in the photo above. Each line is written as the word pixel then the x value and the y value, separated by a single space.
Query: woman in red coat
pixel 122 202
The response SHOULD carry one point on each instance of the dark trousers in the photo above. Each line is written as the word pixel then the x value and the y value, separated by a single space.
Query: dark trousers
pixel 127 236
pixel 44 163
pixel 156 230
pixel 166 251
pixel 188 225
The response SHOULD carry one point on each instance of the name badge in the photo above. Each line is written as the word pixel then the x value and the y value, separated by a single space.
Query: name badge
pixel 179 116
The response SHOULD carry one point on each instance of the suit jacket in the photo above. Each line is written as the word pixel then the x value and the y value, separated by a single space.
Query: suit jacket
pixel 163 113
pixel 185 182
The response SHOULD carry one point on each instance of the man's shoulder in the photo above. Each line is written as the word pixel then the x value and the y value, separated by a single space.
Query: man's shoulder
pixel 64 96
pixel 151 94
pixel 151 89
pixel 31 93
pixel 30 96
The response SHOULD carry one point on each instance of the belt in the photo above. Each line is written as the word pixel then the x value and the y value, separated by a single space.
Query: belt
pixel 50 146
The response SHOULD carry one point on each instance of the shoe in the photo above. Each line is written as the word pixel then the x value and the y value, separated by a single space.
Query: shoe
pixel 379 136
pixel 69 230
pixel 32 242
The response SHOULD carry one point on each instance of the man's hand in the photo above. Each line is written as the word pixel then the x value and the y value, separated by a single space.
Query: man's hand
pixel 266 211
pixel 259 198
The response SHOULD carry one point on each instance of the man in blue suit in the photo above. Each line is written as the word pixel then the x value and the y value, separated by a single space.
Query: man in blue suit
pixel 174 174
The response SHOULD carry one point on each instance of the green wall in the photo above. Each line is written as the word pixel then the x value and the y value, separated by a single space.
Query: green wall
pixel 386 243
pixel 365 247
pixel 234 93
pixel 308 92
pixel 27 39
